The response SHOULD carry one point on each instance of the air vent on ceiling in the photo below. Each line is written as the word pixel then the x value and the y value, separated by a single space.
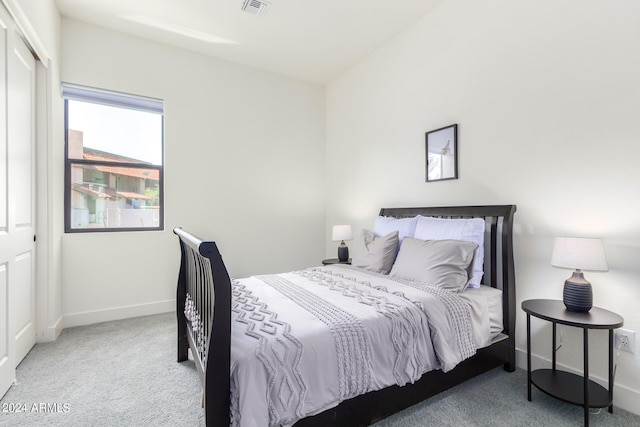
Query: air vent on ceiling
pixel 256 7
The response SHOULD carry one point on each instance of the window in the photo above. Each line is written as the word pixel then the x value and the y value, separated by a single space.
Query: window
pixel 113 161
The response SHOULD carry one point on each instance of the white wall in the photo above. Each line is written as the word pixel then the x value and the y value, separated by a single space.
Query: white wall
pixel 547 96
pixel 244 165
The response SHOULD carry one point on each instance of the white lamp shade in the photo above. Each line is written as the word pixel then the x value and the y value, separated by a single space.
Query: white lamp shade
pixel 579 253
pixel 342 232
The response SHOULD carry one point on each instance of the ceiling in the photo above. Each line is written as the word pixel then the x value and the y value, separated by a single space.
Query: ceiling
pixel 309 40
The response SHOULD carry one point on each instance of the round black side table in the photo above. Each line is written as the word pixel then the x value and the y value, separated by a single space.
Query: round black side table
pixel 566 386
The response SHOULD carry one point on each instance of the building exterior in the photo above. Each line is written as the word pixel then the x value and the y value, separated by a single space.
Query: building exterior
pixel 108 195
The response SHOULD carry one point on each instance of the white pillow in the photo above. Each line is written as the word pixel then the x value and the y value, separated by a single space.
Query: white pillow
pixel 467 229
pixel 405 227
pixel 380 252
pixel 442 263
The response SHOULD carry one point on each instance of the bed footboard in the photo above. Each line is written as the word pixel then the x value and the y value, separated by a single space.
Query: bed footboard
pixel 204 321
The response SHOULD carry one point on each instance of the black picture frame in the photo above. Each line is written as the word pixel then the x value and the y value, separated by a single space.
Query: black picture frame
pixel 441 153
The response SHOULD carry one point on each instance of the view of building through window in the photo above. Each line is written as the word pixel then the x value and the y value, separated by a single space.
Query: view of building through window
pixel 114 167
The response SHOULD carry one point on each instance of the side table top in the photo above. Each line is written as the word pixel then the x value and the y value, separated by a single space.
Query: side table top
pixel 335 261
pixel 555 311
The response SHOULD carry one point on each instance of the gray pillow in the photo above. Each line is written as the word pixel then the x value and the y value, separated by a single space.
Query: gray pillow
pixel 444 263
pixel 380 252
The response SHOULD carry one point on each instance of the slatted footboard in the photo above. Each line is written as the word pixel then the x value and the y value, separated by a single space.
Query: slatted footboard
pixel 204 311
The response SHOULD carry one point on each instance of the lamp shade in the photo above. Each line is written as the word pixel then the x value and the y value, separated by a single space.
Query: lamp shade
pixel 579 253
pixel 342 232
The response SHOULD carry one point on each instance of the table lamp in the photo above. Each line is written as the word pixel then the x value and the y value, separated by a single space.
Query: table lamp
pixel 342 233
pixel 580 254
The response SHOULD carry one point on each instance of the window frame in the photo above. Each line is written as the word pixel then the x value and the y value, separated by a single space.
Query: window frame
pixel 113 99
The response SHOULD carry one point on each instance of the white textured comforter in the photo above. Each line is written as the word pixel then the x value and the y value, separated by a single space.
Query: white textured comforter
pixel 304 341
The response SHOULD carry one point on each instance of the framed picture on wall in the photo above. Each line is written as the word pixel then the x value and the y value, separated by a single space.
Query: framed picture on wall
pixel 442 153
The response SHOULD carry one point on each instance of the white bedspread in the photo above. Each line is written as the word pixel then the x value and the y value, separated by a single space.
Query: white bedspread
pixel 304 341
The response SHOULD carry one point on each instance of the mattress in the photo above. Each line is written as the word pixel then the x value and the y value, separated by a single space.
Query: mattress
pixel 304 341
pixel 485 304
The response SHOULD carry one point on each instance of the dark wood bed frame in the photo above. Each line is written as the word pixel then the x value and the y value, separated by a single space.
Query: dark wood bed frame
pixel 204 277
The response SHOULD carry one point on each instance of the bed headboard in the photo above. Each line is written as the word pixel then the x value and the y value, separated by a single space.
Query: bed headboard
pixel 499 270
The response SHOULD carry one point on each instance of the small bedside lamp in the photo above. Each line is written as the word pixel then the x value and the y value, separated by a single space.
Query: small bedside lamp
pixel 342 233
pixel 580 254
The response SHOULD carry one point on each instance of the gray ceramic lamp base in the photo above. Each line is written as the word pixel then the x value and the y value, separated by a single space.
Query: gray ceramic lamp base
pixel 577 294
pixel 343 252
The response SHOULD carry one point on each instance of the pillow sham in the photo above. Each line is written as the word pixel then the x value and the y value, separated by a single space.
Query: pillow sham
pixel 380 252
pixel 443 263
pixel 384 225
pixel 466 229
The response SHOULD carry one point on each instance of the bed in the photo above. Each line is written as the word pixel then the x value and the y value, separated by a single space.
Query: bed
pixel 209 301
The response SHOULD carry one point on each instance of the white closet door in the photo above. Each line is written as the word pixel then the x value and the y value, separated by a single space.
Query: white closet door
pixel 22 162
pixel 7 362
pixel 17 200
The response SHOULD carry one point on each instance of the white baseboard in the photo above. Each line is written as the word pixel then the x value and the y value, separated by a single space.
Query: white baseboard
pixel 623 396
pixel 50 333
pixel 98 316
